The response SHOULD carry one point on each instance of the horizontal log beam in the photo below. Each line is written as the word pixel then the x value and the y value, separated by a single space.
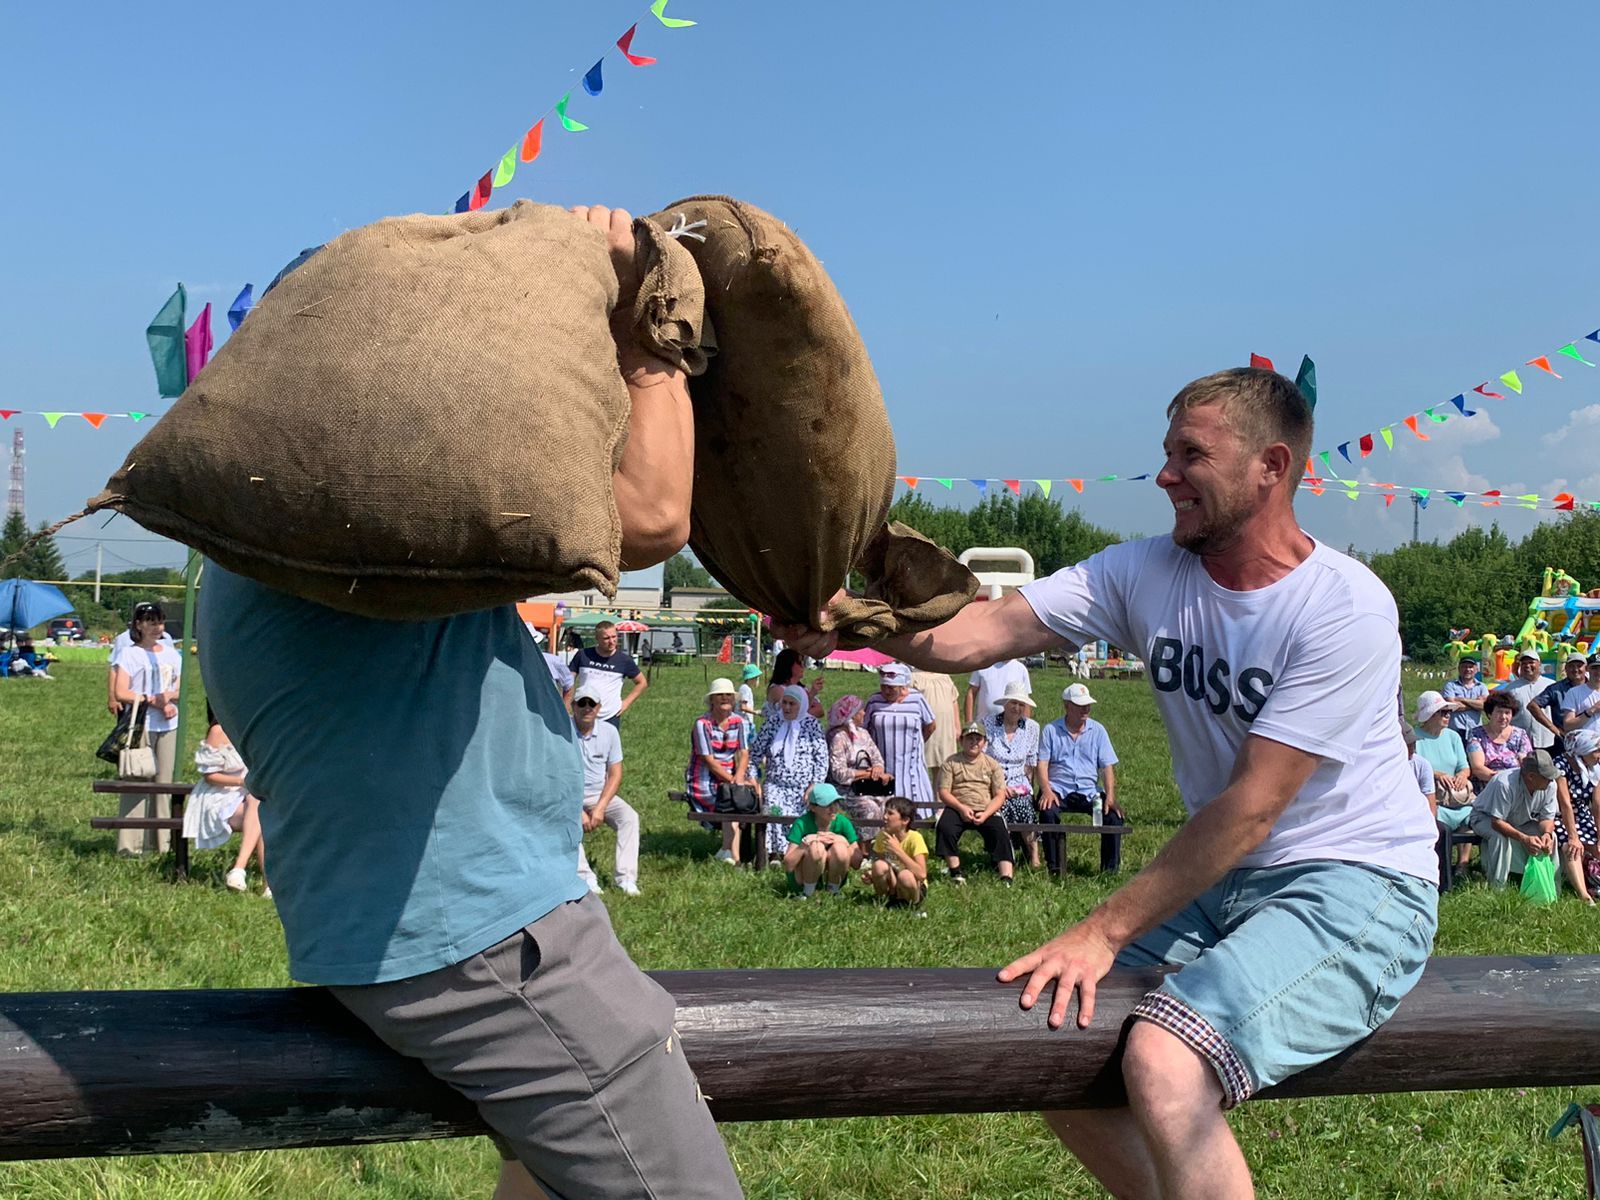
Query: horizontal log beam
pixel 112 1073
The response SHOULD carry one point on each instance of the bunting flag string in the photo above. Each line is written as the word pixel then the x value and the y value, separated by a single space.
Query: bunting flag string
pixel 530 144
pixel 95 419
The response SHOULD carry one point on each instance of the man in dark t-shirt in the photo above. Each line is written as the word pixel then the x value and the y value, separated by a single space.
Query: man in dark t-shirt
pixel 605 667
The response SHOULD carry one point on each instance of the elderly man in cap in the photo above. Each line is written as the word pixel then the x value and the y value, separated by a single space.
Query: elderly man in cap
pixel 972 788
pixel 1552 702
pixel 1466 694
pixel 1076 757
pixel 1515 815
pixel 1527 683
pixel 600 747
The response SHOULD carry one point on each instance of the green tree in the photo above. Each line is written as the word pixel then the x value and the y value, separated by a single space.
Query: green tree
pixel 735 622
pixel 680 572
pixel 1038 524
pixel 41 560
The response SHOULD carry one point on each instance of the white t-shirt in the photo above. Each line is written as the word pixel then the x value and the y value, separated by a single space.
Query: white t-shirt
pixel 1578 697
pixel 992 683
pixel 1311 661
pixel 1423 770
pixel 747 700
pixel 152 672
pixel 125 639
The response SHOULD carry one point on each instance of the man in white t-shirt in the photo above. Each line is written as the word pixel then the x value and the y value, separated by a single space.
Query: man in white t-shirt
pixel 1300 896
pixel 985 688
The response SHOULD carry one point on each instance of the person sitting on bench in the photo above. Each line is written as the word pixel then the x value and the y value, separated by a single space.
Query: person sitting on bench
pixel 972 788
pixel 1076 757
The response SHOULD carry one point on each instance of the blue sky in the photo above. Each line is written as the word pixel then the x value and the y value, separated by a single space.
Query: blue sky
pixel 1046 218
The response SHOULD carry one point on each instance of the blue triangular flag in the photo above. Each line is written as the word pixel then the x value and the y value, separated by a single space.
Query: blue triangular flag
pixel 1136 478
pixel 465 203
pixel 592 83
pixel 1461 405
pixel 981 484
pixel 241 305
pixel 1344 449
pixel 1458 497
pixel 1593 337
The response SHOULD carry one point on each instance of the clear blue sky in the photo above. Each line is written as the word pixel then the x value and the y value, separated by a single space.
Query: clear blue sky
pixel 1045 217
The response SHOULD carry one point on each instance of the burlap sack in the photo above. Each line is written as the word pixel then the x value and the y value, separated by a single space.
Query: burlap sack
pixel 794 458
pixel 422 419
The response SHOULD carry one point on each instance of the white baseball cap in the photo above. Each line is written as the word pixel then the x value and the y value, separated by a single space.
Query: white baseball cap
pixel 587 691
pixel 1077 693
pixel 895 674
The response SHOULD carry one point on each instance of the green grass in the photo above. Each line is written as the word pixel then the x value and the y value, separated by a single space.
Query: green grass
pixel 73 916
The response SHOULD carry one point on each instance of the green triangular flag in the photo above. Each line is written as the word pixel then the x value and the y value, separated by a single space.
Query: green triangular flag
pixel 1388 438
pixel 1571 351
pixel 1352 493
pixel 1458 501
pixel 1306 381
pixel 567 122
pixel 1327 467
pixel 1044 486
pixel 506 169
pixel 136 417
pixel 52 418
pixel 1108 478
pixel 165 336
pixel 945 483
pixel 659 10
pixel 1511 380
pixel 1440 418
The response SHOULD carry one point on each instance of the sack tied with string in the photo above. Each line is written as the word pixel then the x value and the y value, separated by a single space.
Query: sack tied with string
pixel 421 419
pixel 794 457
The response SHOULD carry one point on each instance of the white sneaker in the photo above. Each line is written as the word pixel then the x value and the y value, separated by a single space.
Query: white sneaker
pixel 595 888
pixel 726 856
pixel 266 893
pixel 234 880
pixel 628 889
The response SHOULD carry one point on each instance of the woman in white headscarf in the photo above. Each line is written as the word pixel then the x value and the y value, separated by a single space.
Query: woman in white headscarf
pixel 794 751
pixel 1576 824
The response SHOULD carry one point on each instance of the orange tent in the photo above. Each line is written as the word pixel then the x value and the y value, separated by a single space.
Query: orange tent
pixel 543 618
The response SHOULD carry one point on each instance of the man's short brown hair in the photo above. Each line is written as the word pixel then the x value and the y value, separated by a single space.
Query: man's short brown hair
pixel 1261 406
pixel 601 626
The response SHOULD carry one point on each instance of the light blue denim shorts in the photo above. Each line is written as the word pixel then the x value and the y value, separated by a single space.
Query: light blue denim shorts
pixel 1284 967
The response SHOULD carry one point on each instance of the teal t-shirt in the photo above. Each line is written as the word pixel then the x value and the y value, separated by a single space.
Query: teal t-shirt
pixel 420 781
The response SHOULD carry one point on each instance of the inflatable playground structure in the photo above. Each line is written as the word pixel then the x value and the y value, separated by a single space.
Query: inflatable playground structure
pixel 1561 619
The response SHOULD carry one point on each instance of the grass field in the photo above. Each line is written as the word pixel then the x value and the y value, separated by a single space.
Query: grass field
pixel 73 916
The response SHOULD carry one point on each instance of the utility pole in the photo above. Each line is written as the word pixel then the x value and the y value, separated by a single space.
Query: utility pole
pixel 15 502
pixel 1416 517
pixel 99 553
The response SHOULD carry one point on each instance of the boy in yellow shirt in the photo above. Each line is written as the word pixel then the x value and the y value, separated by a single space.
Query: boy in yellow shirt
pixel 900 868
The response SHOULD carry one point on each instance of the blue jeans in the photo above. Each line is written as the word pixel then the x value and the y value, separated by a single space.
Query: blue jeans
pixel 1284 967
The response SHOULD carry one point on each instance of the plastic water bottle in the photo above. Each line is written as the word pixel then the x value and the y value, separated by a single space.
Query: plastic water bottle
pixel 1097 809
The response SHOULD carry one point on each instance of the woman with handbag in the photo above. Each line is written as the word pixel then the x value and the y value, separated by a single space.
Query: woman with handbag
pixel 855 764
pixel 1013 742
pixel 145 681
pixel 719 758
pixel 1441 747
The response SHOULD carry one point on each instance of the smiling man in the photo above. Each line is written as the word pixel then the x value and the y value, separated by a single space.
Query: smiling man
pixel 1299 898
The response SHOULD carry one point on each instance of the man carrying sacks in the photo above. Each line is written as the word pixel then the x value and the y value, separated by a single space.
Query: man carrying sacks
pixel 422 790
pixel 1300 897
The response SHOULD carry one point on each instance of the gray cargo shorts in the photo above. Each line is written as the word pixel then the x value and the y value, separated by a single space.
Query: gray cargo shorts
pixel 568 1050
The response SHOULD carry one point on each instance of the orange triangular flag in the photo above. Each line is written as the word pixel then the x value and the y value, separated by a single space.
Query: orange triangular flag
pixel 1077 485
pixel 1543 364
pixel 1411 424
pixel 93 418
pixel 532 140
pixel 910 480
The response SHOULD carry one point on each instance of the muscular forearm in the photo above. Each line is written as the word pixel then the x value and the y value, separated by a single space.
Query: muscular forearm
pixel 978 636
pixel 655 477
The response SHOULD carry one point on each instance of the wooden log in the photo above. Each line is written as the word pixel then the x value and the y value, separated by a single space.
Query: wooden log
pixel 111 1073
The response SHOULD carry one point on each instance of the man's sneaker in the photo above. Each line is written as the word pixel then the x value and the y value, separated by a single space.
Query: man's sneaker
pixel 957 877
pixel 628 889
pixel 234 880
pixel 726 856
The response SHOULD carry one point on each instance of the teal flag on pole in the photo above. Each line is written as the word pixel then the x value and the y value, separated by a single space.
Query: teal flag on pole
pixel 165 335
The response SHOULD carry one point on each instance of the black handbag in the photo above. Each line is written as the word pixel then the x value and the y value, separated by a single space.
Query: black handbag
pixel 124 735
pixel 737 798
pixel 870 787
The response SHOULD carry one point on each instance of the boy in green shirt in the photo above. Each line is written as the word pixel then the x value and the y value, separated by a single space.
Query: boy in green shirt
pixel 822 843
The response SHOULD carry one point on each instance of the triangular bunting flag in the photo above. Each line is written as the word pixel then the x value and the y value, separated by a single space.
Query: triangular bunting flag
pixel 1014 484
pixel 1543 364
pixel 1592 337
pixel 1317 491
pixel 1511 380
pixel 1388 500
pixel 1108 479
pixel 7 413
pixel 532 141
pixel 52 418
pixel 464 202
pixel 1327 466
pixel 1366 444
pixel 1564 501
pixel 165 336
pixel 480 192
pixel 197 344
pixel 240 308
pixel 1388 436
pixel 1411 424
pixel 1571 351
pixel 909 480
pixel 947 484
pixel 93 418
pixel 1077 485
pixel 1456 498
pixel 507 168
pixel 567 122
pixel 625 44
pixel 1311 467
pixel 136 417
pixel 593 80
pixel 1344 449
pixel 1483 390
pixel 1261 361
pixel 1421 493
pixel 1352 493
pixel 981 484
pixel 1136 478
pixel 1531 500
pixel 659 11
pixel 1461 403
pixel 1437 418
pixel 1422 501
pixel 1306 380
pixel 1044 486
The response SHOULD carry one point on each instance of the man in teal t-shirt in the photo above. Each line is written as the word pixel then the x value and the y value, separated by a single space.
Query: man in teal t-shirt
pixel 822 843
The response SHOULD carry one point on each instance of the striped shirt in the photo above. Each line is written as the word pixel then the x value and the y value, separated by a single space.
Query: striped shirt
pixel 708 742
pixel 897 729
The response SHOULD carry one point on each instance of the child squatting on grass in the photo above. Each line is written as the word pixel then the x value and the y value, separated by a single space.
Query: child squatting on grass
pixel 900 867
pixel 822 843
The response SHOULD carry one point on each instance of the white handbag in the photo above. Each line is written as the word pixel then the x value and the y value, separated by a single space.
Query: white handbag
pixel 136 761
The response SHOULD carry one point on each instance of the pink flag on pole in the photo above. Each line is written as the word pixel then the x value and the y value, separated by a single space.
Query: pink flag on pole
pixel 197 343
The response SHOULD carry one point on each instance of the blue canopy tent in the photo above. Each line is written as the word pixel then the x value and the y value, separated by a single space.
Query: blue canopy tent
pixel 24 604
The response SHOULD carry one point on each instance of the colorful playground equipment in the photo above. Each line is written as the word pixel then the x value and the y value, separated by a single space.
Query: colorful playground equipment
pixel 1561 619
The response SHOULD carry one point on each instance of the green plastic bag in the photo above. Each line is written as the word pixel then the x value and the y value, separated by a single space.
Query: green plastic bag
pixel 1539 879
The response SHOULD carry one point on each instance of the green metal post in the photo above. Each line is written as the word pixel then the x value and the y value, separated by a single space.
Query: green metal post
pixel 191 577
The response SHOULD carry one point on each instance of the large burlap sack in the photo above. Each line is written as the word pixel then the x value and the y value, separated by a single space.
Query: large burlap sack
pixel 421 419
pixel 794 458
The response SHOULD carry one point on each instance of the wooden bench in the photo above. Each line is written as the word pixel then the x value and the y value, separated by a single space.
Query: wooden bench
pixel 94 1074
pixel 172 824
pixel 761 820
pixel 1448 841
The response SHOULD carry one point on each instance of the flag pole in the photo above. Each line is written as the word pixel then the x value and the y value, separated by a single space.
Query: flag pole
pixel 191 577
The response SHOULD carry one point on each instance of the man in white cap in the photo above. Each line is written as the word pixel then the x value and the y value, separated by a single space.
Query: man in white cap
pixel 1526 684
pixel 1304 882
pixel 600 746
pixel 1075 754
pixel 1515 815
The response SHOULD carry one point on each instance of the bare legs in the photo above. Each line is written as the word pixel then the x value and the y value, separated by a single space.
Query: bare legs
pixel 247 820
pixel 899 884
pixel 814 861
